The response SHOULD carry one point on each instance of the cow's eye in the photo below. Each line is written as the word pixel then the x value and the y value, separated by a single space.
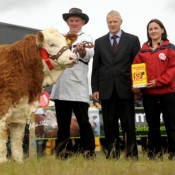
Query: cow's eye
pixel 52 45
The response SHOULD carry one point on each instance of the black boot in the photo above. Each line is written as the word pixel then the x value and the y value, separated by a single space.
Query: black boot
pixel 155 156
pixel 89 154
pixel 171 156
pixel 112 152
pixel 61 151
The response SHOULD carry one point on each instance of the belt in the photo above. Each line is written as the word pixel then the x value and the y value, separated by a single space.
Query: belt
pixel 83 62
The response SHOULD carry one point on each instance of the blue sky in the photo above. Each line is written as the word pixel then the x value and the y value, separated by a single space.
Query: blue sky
pixel 135 13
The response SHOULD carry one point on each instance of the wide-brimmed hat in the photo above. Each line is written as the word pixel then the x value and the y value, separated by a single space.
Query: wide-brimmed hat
pixel 76 12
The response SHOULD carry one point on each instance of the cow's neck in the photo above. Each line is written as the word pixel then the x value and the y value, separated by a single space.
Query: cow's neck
pixel 51 76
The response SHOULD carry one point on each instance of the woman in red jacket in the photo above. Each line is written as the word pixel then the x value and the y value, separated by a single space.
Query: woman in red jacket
pixel 159 56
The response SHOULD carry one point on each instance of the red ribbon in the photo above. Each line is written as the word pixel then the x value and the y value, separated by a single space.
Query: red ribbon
pixel 45 56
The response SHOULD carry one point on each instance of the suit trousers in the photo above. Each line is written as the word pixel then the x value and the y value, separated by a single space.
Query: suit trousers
pixel 114 109
pixel 64 111
pixel 153 106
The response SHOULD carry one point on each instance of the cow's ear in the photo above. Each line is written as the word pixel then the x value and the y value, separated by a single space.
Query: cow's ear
pixel 70 38
pixel 40 39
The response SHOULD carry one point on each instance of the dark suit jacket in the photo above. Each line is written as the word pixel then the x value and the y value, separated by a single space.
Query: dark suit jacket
pixel 109 68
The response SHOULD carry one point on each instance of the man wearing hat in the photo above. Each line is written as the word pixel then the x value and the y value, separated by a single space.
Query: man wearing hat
pixel 71 93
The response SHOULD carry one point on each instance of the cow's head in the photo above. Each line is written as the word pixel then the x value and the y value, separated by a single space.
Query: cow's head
pixel 54 49
pixel 51 121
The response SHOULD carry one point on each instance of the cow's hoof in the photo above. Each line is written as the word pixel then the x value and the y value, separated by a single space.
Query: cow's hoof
pixel 3 160
pixel 18 161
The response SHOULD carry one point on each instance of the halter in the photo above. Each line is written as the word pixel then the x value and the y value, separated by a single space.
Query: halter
pixel 54 57
pixel 46 56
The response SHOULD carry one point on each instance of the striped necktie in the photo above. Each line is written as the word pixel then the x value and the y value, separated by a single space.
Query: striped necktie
pixel 114 46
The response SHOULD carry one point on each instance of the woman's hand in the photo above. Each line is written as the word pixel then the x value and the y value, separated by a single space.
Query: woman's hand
pixel 135 90
pixel 151 84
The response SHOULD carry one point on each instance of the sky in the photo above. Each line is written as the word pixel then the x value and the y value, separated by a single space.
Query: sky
pixel 136 14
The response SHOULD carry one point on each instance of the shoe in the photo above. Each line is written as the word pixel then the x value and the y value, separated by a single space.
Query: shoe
pixel 113 155
pixel 171 156
pixel 153 156
pixel 112 152
pixel 134 158
pixel 62 148
pixel 89 155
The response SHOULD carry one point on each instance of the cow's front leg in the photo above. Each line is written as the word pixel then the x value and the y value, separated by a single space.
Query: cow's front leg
pixel 16 136
pixel 3 141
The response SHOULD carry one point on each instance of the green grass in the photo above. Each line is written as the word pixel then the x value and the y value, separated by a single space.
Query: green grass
pixel 80 166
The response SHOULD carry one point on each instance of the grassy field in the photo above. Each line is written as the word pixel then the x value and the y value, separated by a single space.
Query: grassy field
pixel 80 166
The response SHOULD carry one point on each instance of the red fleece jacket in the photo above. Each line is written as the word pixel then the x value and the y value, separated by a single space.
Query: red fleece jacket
pixel 160 65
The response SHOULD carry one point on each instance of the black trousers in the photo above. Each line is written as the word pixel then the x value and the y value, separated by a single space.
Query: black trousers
pixel 114 109
pixel 153 106
pixel 64 113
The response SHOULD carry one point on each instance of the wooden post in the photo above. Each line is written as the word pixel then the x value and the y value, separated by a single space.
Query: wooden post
pixel 32 137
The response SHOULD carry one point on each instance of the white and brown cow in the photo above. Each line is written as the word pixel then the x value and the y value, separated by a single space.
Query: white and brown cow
pixel 26 66
pixel 45 124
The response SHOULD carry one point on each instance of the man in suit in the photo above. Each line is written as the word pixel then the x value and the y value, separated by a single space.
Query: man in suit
pixel 111 84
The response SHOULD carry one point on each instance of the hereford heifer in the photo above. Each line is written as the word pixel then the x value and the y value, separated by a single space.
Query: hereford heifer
pixel 27 66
